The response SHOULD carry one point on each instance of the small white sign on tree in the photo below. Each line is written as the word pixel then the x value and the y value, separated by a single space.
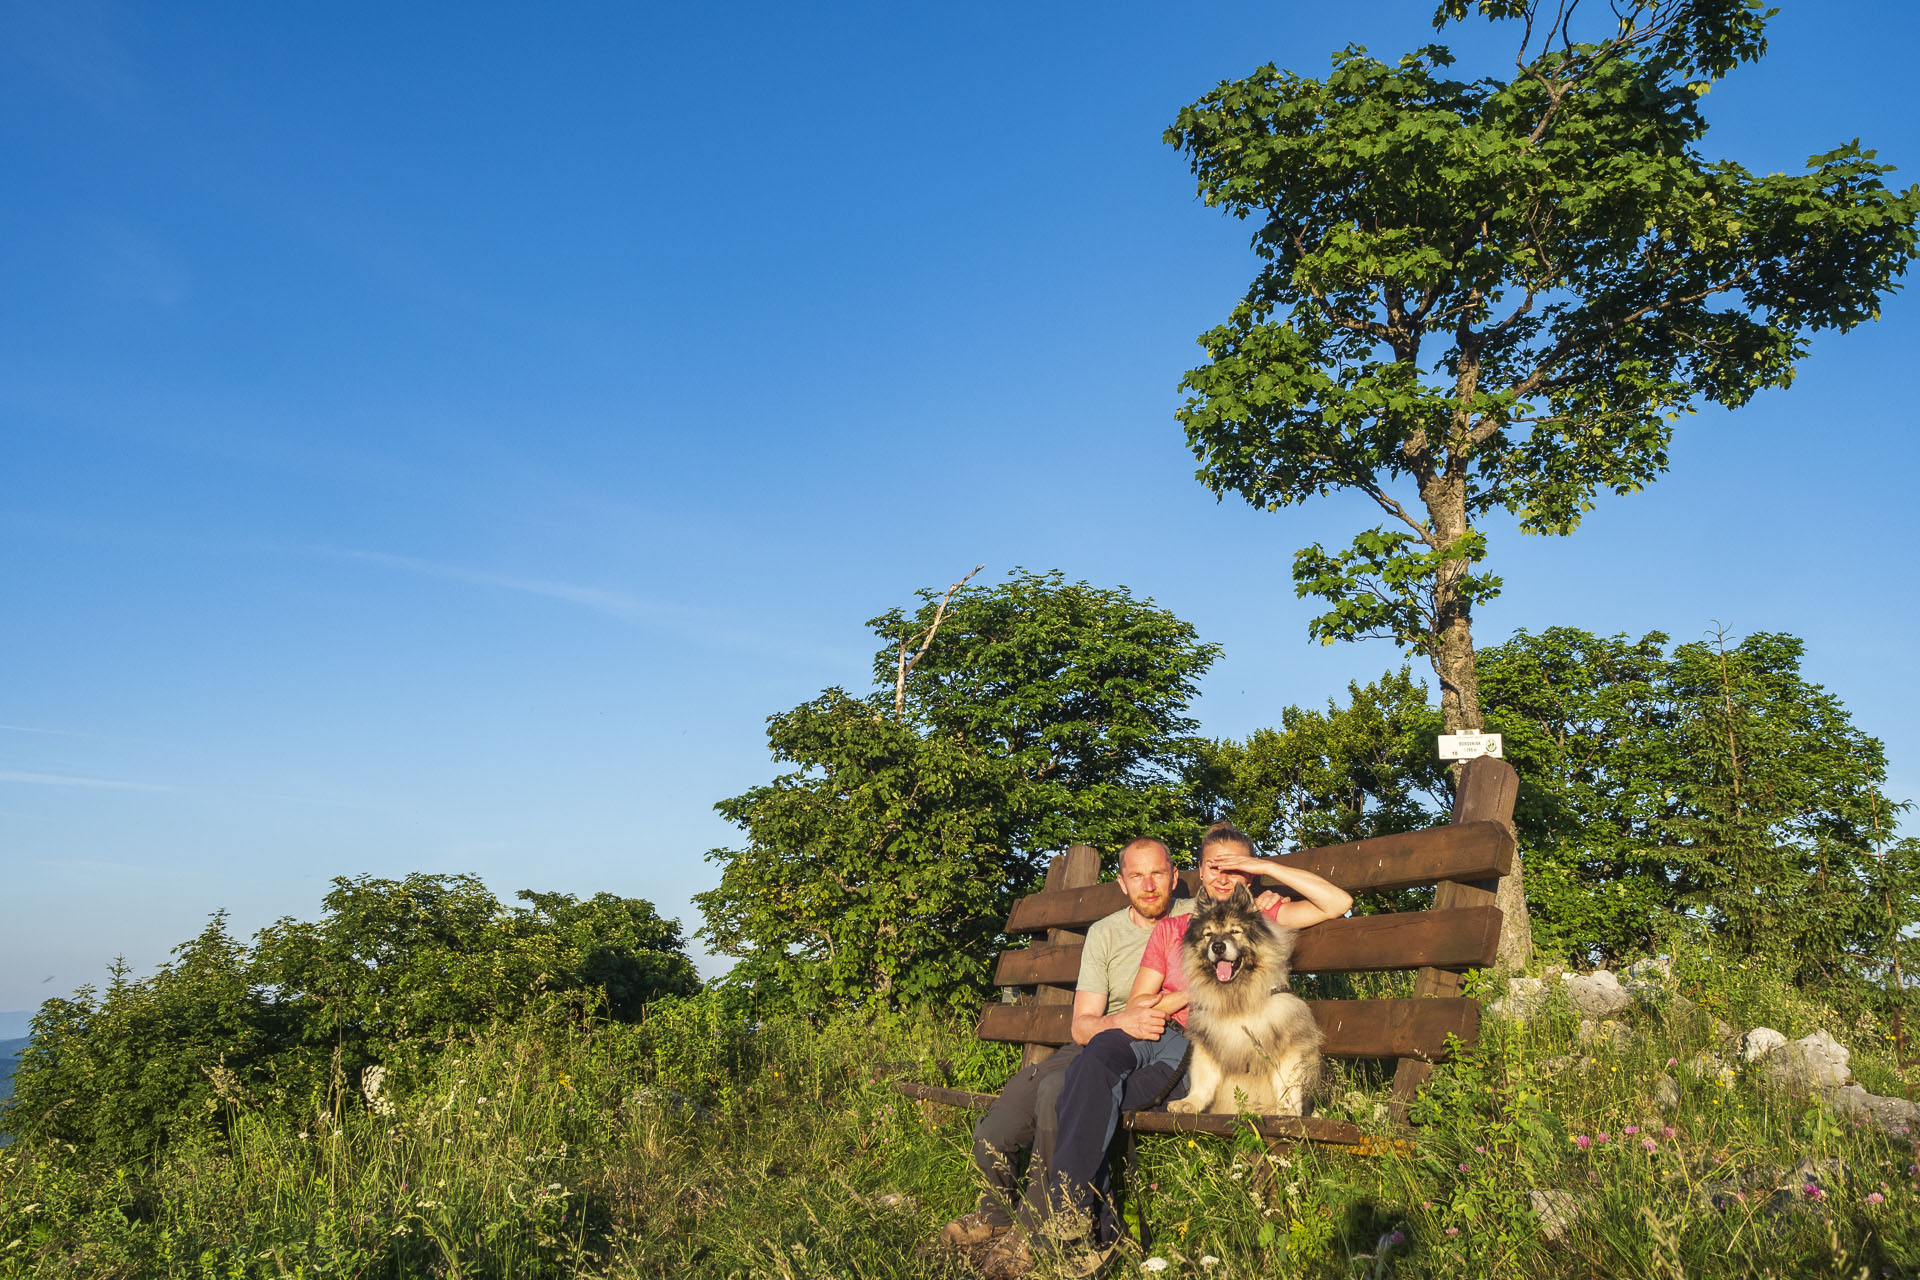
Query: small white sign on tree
pixel 1466 746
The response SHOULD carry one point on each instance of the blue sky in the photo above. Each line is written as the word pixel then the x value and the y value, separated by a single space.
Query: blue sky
pixel 435 438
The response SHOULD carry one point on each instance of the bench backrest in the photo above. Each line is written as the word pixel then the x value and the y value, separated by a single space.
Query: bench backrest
pixel 1462 861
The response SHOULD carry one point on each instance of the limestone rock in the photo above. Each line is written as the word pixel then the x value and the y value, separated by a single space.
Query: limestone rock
pixel 1666 1093
pixel 1707 1067
pixel 1652 969
pixel 1525 998
pixel 1817 1063
pixel 1604 1034
pixel 1597 994
pixel 1558 1211
pixel 1895 1115
pixel 1760 1042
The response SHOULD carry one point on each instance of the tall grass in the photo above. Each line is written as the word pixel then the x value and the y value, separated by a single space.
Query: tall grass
pixel 701 1144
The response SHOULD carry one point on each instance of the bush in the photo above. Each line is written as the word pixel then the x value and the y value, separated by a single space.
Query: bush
pixel 390 974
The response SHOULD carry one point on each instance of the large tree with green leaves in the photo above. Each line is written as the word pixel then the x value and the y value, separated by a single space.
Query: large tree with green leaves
pixel 1036 714
pixel 1709 781
pixel 1499 294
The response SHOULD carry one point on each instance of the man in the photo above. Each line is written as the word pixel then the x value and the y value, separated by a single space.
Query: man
pixel 1121 1068
pixel 1023 1116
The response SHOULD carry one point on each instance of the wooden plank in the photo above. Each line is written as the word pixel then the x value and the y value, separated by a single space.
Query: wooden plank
pixel 1075 908
pixel 1077 868
pixel 1395 1028
pixel 1454 938
pixel 1412 859
pixel 1466 852
pixel 965 1099
pixel 1302 1128
pixel 1352 1028
pixel 1464 938
pixel 1484 792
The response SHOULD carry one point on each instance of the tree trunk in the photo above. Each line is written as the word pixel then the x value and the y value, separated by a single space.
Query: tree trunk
pixel 1453 662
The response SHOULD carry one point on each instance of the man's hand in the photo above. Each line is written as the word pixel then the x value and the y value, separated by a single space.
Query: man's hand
pixel 1142 1023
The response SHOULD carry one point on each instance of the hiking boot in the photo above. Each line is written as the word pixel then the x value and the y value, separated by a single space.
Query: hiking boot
pixel 1009 1259
pixel 970 1231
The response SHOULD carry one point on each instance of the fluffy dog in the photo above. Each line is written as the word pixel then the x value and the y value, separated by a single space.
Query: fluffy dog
pixel 1255 1046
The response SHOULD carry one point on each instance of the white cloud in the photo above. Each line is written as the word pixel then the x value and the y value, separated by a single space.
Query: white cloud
pixel 697 624
pixel 66 780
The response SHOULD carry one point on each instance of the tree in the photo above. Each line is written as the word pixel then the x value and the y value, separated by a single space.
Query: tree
pixel 1499 295
pixel 1708 782
pixel 1713 782
pixel 1327 777
pixel 879 869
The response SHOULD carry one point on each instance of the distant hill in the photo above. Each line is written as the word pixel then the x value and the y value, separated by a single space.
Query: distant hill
pixel 9 1054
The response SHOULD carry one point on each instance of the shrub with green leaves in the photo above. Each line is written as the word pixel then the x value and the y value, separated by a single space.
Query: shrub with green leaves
pixel 391 972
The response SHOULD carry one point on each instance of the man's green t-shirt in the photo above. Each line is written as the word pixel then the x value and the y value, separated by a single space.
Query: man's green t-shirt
pixel 1112 955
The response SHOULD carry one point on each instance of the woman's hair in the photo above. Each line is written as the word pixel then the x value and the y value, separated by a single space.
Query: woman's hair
pixel 1225 833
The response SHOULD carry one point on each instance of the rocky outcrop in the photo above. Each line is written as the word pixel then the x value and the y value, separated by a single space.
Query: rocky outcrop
pixel 1816 1064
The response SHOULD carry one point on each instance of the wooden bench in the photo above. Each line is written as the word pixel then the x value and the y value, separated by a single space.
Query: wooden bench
pixel 1462 861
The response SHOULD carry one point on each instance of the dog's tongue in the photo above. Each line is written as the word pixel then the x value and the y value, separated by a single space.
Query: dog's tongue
pixel 1224 971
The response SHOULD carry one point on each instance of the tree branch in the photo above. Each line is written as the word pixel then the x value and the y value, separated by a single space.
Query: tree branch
pixel 906 664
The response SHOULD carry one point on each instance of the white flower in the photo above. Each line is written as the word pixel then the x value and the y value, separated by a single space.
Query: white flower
pixel 1154 1264
pixel 1208 1260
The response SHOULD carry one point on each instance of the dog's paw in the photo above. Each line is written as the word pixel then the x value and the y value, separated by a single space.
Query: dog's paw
pixel 1184 1107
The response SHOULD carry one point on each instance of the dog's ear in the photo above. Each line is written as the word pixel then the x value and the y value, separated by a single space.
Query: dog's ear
pixel 1242 898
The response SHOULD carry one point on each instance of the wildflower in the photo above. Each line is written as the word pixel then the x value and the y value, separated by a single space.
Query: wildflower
pixel 1600 1137
pixel 1481 1150
pixel 1153 1186
pixel 1649 1144
pixel 1673 1062
pixel 1426 1204
pixel 1583 1142
pixel 1667 1132
pixel 1154 1264
pixel 1192 1143
pixel 1813 1192
pixel 1208 1260
pixel 1632 1128
pixel 1398 1237
pixel 1874 1197
pixel 1453 1231
pixel 1463 1166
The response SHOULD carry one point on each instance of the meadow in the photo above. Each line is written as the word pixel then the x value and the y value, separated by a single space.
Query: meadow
pixel 698 1142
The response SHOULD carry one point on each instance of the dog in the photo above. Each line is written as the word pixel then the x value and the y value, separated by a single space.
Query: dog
pixel 1256 1047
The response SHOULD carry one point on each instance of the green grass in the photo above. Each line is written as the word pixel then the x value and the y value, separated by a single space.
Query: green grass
pixel 698 1145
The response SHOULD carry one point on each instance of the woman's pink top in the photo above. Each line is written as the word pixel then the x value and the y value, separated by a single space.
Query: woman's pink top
pixel 1163 952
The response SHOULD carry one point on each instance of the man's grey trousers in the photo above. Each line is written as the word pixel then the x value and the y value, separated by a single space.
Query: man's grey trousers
pixel 1024 1117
